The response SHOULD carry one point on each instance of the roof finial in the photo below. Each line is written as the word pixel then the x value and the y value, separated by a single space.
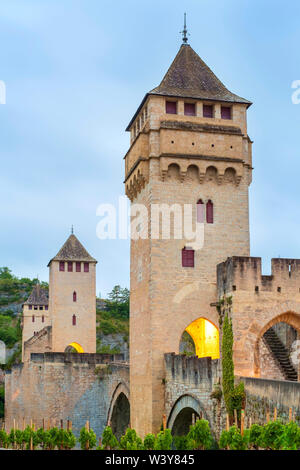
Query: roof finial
pixel 72 229
pixel 184 33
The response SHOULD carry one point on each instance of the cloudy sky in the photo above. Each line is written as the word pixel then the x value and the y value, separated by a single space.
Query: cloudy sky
pixel 75 72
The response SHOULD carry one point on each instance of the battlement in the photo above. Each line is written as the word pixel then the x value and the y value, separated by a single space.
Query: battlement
pixel 76 358
pixel 190 369
pixel 245 273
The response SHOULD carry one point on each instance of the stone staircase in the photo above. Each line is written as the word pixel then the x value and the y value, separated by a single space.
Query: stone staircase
pixel 280 355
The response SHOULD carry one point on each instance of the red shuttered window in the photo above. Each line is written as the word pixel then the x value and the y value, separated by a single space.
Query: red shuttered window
pixel 86 267
pixel 209 212
pixel 190 109
pixel 61 266
pixel 208 111
pixel 74 297
pixel 30 307
pixel 74 320
pixel 78 267
pixel 70 266
pixel 200 211
pixel 225 112
pixel 171 107
pixel 188 258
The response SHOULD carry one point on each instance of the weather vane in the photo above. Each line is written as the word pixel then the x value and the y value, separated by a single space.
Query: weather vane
pixel 72 229
pixel 184 33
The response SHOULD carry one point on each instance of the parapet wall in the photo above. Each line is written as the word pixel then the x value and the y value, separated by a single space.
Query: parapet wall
pixel 67 386
pixel 264 395
pixel 245 273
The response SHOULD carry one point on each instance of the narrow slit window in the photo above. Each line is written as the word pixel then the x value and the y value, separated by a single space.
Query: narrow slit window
pixel 74 297
pixel 209 212
pixel 43 318
pixel 74 320
pixel 33 318
pixel 200 211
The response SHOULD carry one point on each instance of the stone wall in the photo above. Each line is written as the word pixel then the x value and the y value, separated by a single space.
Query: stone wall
pixel 56 386
pixel 189 382
pixel 264 395
pixel 269 369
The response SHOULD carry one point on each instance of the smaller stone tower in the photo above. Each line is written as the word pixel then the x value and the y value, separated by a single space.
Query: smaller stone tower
pixel 72 298
pixel 35 313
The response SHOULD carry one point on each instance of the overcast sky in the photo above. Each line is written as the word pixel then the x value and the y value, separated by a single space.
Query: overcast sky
pixel 75 72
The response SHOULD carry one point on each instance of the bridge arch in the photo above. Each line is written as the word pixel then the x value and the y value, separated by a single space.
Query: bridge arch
pixel 119 410
pixel 290 318
pixel 181 415
pixel 74 347
pixel 205 336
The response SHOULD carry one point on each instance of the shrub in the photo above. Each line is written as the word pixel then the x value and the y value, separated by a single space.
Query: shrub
pixel 149 442
pixel 271 435
pixel 131 441
pixel 109 440
pixel 255 433
pixel 87 439
pixel 200 435
pixel 163 440
pixel 233 439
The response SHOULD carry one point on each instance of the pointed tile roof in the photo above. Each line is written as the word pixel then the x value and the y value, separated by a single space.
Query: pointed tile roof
pixel 190 77
pixel 38 296
pixel 73 250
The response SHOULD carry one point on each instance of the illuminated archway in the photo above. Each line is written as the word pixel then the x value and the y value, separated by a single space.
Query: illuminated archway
pixel 74 347
pixel 206 338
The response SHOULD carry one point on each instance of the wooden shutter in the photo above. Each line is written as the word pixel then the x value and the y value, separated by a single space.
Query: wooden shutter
pixel 171 107
pixel 78 267
pixel 70 266
pixel 190 109
pixel 208 111
pixel 61 266
pixel 225 112
pixel 209 212
pixel 200 211
pixel 86 267
pixel 188 256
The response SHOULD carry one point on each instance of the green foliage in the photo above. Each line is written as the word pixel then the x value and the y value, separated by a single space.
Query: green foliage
pixel 227 364
pixel 233 439
pixel 163 440
pixel 131 441
pixel 87 439
pixel 271 435
pixel 2 401
pixel 4 441
pixel 109 440
pixel 238 397
pixel 290 437
pixel 149 442
pixel 255 433
pixel 118 302
pixel 200 435
pixel 188 345
pixel 183 443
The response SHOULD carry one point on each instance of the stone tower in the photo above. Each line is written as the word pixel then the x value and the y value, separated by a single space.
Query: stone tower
pixel 72 298
pixel 189 146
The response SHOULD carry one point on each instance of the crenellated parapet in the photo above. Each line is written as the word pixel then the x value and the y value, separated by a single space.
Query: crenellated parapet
pixel 245 274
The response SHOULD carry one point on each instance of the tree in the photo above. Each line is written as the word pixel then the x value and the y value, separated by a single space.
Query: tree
pixel 227 364
pixel 118 302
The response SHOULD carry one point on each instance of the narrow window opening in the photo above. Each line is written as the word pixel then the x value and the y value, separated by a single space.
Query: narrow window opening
pixel 74 320
pixel 74 297
pixel 208 110
pixel 33 318
pixel 30 307
pixel 78 267
pixel 209 212
pixel 86 267
pixel 61 266
pixel 70 266
pixel 200 211
pixel 256 289
pixel 234 288
pixel 278 289
pixel 43 318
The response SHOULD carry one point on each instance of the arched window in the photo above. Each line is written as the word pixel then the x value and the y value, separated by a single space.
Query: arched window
pixel 200 211
pixel 209 212
pixel 74 297
pixel 74 320
pixel 33 318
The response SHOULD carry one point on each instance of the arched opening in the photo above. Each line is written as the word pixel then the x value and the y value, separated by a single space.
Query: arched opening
pixel 201 338
pixel 74 348
pixel 183 421
pixel 276 349
pixel 120 417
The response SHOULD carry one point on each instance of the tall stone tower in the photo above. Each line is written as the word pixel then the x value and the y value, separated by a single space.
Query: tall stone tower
pixel 72 298
pixel 189 146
